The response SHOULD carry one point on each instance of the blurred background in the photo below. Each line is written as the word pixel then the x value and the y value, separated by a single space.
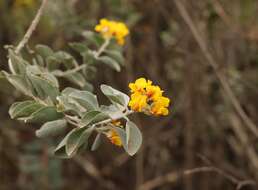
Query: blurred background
pixel 204 144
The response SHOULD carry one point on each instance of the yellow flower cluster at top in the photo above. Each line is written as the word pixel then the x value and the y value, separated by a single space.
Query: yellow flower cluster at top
pixel 148 98
pixel 110 29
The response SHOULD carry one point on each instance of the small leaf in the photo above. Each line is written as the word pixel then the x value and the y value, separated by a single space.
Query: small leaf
pixel 44 50
pixel 133 138
pixel 76 139
pixel 52 128
pixel 60 149
pixel 45 84
pixel 112 111
pixel 17 64
pixel 86 99
pixel 43 115
pixel 115 96
pixel 76 78
pixel 24 109
pixel 20 83
pixel 93 38
pixel 96 142
pixel 67 104
pixel 116 55
pixel 110 62
pixel 93 117
pixel 79 47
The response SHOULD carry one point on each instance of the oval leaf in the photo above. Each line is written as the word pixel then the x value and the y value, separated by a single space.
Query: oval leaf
pixel 76 139
pixel 52 128
pixel 133 138
pixel 93 117
pixel 24 109
pixel 115 96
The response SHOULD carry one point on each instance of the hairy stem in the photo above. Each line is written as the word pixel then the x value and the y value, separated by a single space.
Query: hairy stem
pixel 32 27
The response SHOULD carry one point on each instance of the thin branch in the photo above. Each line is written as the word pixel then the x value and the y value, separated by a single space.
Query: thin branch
pixel 174 176
pixel 69 72
pixel 196 33
pixel 32 27
pixel 102 48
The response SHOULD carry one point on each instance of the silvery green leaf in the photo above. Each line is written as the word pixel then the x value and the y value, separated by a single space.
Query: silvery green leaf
pixel 16 63
pixel 76 139
pixel 115 96
pixel 52 63
pixel 93 117
pixel 110 62
pixel 60 149
pixel 116 55
pixel 44 50
pixel 89 72
pixel 93 38
pixel 79 47
pixel 52 128
pixel 68 104
pixel 96 142
pixel 133 138
pixel 39 61
pixel 45 84
pixel 86 99
pixel 43 115
pixel 88 87
pixel 24 109
pixel 112 111
pixel 20 83
pixel 76 78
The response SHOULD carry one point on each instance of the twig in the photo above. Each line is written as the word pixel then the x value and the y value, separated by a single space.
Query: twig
pixel 72 71
pixel 196 33
pixel 32 27
pixel 102 48
pixel 174 176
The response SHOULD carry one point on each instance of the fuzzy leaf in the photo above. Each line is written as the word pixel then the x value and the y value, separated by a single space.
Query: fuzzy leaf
pixel 115 96
pixel 116 55
pixel 24 109
pixel 76 139
pixel 93 117
pixel 52 128
pixel 86 99
pixel 133 138
pixel 16 63
pixel 110 62
pixel 96 142
pixel 44 50
pixel 43 115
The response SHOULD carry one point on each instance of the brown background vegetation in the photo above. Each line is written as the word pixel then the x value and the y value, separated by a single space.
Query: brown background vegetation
pixel 203 53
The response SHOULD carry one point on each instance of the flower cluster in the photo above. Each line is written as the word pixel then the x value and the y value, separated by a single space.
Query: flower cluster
pixel 110 29
pixel 114 138
pixel 112 134
pixel 148 98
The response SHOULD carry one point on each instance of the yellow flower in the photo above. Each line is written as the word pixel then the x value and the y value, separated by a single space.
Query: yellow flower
pixel 116 123
pixel 148 98
pixel 110 29
pixel 140 85
pixel 138 102
pixel 159 107
pixel 153 92
pixel 114 138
